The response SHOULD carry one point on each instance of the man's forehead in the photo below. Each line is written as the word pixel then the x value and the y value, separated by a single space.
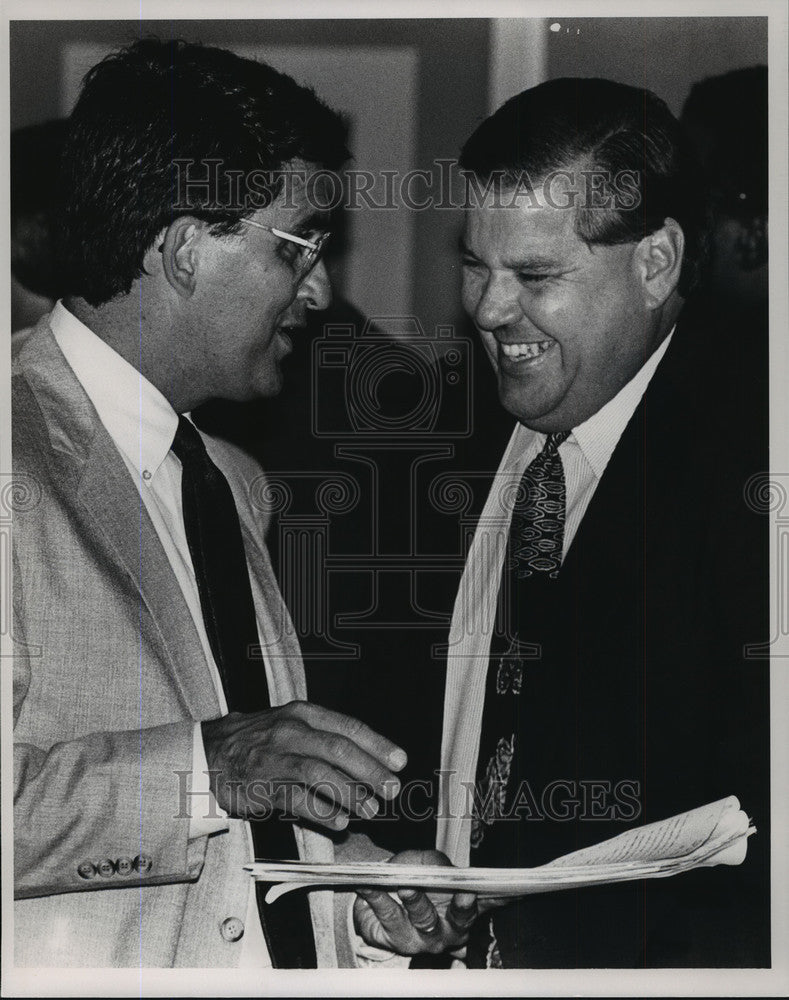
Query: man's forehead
pixel 513 225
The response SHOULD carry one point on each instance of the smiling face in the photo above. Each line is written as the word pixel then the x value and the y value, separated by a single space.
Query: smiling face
pixel 249 298
pixel 564 323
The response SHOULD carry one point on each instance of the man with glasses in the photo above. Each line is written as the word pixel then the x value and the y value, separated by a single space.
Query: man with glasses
pixel 159 694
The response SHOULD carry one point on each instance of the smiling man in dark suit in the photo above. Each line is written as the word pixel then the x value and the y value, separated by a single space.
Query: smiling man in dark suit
pixel 628 572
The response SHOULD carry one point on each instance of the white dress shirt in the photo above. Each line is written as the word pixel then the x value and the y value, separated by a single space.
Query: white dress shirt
pixel 142 425
pixel 585 455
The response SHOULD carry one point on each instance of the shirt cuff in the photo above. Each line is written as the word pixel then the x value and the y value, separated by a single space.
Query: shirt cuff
pixel 207 816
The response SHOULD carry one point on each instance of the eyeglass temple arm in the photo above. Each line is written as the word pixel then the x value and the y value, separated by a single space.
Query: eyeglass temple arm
pixel 283 235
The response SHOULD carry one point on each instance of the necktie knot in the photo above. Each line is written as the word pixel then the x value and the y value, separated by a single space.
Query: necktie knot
pixel 553 441
pixel 187 444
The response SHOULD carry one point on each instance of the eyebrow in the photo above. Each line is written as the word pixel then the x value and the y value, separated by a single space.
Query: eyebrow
pixel 315 220
pixel 535 263
pixel 529 262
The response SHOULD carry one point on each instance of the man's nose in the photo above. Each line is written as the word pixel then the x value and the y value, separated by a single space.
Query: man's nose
pixel 315 289
pixel 498 305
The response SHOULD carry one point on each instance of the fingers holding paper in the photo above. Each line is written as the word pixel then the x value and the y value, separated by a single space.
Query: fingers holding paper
pixel 415 922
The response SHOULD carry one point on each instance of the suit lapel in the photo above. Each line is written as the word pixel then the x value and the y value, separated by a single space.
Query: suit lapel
pixel 114 506
pixel 611 522
pixel 116 518
pixel 639 470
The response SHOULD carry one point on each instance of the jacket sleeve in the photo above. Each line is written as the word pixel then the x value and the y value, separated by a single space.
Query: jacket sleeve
pixel 102 811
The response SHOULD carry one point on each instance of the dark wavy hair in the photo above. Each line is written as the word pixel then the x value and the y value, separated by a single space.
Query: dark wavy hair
pixel 149 109
pixel 602 126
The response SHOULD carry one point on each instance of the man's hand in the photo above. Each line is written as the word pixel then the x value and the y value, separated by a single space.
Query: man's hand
pixel 302 760
pixel 419 922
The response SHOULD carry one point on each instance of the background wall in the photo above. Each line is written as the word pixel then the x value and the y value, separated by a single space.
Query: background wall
pixel 663 54
pixel 666 55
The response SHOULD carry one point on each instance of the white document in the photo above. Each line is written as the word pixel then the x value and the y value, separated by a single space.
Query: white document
pixel 710 835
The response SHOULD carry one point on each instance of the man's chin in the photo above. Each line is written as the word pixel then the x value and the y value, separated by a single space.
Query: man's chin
pixel 534 411
pixel 270 390
pixel 269 384
pixel 255 392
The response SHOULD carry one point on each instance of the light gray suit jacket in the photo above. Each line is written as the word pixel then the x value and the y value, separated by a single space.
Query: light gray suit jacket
pixel 108 683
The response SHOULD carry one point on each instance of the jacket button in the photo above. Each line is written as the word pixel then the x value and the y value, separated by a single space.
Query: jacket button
pixel 86 869
pixel 232 929
pixel 143 864
pixel 105 868
pixel 123 866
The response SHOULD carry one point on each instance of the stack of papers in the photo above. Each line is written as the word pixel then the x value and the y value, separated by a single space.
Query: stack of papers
pixel 710 835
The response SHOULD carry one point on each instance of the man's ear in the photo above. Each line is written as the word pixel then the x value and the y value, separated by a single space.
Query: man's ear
pixel 179 255
pixel 659 259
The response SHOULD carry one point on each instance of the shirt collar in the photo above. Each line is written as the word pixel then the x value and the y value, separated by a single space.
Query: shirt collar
pixel 599 435
pixel 137 416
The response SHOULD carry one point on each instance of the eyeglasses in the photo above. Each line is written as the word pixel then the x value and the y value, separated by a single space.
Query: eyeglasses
pixel 311 249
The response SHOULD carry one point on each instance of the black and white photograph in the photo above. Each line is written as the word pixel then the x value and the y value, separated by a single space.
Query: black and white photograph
pixel 394 499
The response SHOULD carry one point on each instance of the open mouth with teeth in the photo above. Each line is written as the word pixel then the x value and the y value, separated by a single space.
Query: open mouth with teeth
pixel 526 351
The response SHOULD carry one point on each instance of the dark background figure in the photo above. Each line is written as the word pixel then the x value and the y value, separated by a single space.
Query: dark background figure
pixel 725 118
pixel 35 282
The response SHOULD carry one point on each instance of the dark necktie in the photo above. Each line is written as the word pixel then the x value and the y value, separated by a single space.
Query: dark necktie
pixel 532 564
pixel 216 545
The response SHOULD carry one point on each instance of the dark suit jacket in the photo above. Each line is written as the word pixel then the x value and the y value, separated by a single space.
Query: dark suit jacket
pixel 643 676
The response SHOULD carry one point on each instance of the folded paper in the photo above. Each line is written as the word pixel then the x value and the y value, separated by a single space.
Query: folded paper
pixel 710 835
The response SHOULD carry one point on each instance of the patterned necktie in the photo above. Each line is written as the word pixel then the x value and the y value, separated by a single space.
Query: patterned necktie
pixel 216 545
pixel 537 527
pixel 532 564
